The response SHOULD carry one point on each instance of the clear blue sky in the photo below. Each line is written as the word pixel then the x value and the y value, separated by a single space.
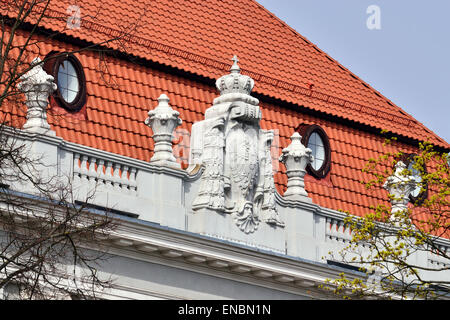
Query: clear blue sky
pixel 407 60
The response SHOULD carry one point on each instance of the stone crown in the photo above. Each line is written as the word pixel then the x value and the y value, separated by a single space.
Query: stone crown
pixel 235 82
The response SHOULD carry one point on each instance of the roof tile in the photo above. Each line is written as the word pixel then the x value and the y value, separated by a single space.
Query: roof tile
pixel 120 93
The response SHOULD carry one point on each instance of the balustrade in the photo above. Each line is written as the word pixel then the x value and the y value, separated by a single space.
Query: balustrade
pixel 100 173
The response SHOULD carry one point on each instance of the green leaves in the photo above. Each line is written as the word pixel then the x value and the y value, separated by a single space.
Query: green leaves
pixel 389 243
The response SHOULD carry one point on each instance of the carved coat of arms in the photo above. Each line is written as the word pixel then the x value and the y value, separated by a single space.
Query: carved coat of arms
pixel 235 152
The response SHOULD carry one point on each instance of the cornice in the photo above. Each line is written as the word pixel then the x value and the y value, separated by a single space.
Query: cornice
pixel 181 249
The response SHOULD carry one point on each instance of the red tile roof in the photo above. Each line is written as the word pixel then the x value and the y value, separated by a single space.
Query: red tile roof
pixel 199 37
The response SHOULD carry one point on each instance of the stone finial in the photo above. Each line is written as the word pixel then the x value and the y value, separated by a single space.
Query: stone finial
pixel 235 67
pixel 400 186
pixel 235 154
pixel 37 86
pixel 296 157
pixel 163 120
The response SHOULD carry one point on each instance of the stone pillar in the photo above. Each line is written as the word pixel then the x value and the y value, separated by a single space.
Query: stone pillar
pixel 163 120
pixel 399 186
pixel 296 157
pixel 37 86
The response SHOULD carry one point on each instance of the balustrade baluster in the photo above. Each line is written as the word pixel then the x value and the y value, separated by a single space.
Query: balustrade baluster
pixel 108 175
pixel 84 169
pixel 116 177
pixel 124 179
pixel 132 180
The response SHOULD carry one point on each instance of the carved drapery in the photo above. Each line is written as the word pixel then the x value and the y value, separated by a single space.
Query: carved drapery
pixel 211 191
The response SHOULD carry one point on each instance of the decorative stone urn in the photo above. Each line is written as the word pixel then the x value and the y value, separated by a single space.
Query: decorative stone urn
pixel 163 120
pixel 37 85
pixel 296 157
pixel 400 187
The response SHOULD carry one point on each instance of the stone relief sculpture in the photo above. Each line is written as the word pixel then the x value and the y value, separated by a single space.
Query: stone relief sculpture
pixel 235 151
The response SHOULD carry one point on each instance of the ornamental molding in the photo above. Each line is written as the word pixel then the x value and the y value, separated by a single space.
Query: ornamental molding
pixel 153 243
pixel 219 258
pixel 147 242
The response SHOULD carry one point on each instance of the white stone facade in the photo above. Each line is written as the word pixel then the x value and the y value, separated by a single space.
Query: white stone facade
pixel 223 231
